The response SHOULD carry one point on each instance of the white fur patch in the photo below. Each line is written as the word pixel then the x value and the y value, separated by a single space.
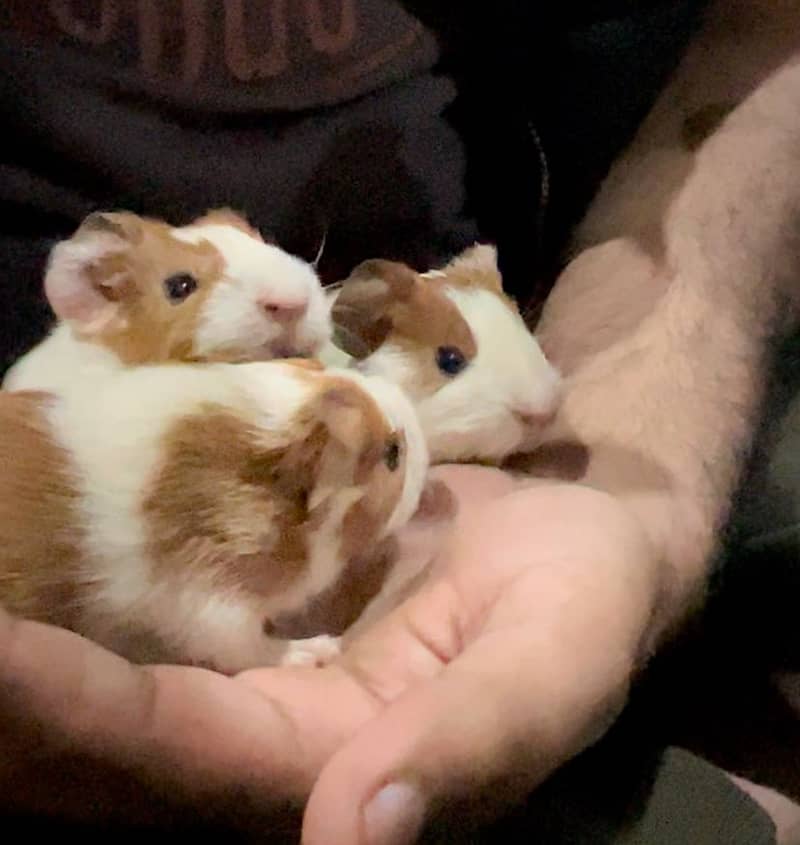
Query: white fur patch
pixel 136 407
pixel 115 430
pixel 274 389
pixel 207 626
pixel 61 361
pixel 315 651
pixel 255 273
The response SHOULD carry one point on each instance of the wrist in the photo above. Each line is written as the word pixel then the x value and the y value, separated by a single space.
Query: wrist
pixel 683 536
pixel 677 520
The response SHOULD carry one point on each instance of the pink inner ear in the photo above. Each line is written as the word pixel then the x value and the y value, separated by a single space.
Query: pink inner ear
pixel 69 288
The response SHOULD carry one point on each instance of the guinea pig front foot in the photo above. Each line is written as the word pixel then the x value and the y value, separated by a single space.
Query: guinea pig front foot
pixel 314 651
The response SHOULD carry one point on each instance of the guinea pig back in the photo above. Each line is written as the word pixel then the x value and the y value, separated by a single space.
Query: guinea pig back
pixel 209 503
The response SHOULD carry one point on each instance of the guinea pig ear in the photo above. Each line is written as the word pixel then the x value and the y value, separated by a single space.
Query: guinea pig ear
pixel 360 440
pixel 477 266
pixel 361 312
pixel 86 274
pixel 121 224
pixel 341 409
pixel 335 434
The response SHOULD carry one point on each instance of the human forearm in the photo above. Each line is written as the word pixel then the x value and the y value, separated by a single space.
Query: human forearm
pixel 665 418
pixel 663 324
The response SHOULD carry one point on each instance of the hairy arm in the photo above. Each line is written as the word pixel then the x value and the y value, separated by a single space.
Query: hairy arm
pixel 688 267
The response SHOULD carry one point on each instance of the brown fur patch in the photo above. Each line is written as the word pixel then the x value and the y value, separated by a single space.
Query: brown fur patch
pixel 366 558
pixel 366 424
pixel 242 504
pixel 335 609
pixel 431 320
pixel 230 502
pixel 41 543
pixel 410 311
pixel 304 363
pixel 361 313
pixel 148 327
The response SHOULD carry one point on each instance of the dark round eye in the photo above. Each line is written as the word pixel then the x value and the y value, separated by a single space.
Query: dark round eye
pixel 450 360
pixel 179 286
pixel 391 454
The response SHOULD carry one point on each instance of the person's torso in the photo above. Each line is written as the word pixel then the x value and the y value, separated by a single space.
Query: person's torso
pixel 227 55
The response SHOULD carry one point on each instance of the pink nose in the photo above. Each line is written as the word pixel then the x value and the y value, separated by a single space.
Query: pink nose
pixel 284 310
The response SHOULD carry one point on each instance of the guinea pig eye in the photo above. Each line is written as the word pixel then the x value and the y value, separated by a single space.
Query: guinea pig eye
pixel 180 286
pixel 391 454
pixel 450 360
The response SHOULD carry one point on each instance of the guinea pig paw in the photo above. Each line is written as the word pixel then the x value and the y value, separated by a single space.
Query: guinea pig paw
pixel 315 651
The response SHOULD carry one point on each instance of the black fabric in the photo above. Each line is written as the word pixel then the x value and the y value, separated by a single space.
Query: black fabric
pixel 414 171
pixel 549 94
pixel 615 794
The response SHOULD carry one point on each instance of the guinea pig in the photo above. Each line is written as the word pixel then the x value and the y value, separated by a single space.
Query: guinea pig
pixel 457 345
pixel 129 290
pixel 180 513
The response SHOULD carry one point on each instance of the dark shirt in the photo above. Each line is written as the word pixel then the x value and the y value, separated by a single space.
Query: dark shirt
pixel 399 129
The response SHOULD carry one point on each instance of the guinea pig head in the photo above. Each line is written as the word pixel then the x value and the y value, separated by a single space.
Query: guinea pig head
pixel 364 442
pixel 269 303
pixel 458 346
pixel 382 425
pixel 214 290
pixel 314 470
pixel 397 325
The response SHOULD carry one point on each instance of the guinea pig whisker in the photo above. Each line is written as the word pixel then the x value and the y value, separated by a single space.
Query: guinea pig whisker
pixel 321 250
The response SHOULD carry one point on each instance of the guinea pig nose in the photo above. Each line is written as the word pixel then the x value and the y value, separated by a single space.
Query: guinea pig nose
pixel 284 310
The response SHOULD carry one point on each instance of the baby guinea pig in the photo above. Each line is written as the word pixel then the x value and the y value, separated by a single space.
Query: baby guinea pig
pixel 129 290
pixel 180 513
pixel 459 348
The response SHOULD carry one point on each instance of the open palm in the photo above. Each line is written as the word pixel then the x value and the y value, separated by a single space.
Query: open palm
pixel 512 655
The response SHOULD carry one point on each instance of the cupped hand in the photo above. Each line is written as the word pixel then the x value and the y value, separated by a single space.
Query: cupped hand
pixel 513 655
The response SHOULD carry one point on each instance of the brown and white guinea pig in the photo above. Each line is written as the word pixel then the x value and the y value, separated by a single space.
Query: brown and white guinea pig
pixel 129 290
pixel 457 345
pixel 184 511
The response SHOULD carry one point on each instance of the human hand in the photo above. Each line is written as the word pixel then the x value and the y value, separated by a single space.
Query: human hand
pixel 496 671
pixel 86 736
pixel 515 655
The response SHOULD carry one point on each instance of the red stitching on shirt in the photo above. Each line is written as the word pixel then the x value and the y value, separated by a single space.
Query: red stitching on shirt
pixel 331 40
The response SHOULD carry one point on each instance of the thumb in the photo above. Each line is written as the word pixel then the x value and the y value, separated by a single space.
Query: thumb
pixel 486 730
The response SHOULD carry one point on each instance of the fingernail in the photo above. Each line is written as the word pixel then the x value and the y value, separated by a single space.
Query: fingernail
pixel 394 816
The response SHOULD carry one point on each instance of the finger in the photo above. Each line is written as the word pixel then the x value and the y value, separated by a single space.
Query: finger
pixel 86 734
pixel 523 693
pixel 481 731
